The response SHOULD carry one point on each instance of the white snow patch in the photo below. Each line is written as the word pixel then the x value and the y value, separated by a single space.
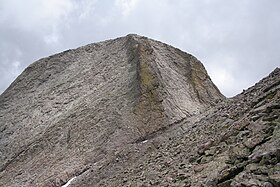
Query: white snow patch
pixel 68 183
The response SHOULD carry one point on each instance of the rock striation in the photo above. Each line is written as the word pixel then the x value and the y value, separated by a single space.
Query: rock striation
pixel 135 112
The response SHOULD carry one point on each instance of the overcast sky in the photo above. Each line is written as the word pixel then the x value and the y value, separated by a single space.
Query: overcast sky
pixel 237 40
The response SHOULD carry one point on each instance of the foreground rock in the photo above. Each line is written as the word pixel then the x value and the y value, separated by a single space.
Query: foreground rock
pixel 135 112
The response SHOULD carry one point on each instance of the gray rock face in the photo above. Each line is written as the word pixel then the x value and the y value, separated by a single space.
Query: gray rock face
pixel 74 111
pixel 135 112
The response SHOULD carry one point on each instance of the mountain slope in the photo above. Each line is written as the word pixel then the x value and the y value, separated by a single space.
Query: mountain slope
pixel 236 143
pixel 72 113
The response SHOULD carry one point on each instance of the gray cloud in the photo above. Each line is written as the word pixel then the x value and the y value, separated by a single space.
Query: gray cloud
pixel 238 41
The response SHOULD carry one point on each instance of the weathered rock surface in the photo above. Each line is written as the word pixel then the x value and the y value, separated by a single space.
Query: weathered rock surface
pixel 135 112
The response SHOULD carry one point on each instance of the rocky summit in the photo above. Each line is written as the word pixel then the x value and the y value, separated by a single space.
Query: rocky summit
pixel 136 112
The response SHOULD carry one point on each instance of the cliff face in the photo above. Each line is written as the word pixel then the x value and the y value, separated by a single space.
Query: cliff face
pixel 135 112
pixel 72 110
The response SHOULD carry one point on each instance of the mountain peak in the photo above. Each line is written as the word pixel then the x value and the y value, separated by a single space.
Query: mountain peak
pixel 89 112
pixel 111 93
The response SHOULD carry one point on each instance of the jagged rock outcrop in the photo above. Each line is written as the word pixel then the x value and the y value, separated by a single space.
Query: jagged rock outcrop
pixel 136 112
pixel 78 108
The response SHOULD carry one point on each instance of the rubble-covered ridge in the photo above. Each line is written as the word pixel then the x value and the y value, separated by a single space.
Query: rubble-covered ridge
pixel 135 112
pixel 236 143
